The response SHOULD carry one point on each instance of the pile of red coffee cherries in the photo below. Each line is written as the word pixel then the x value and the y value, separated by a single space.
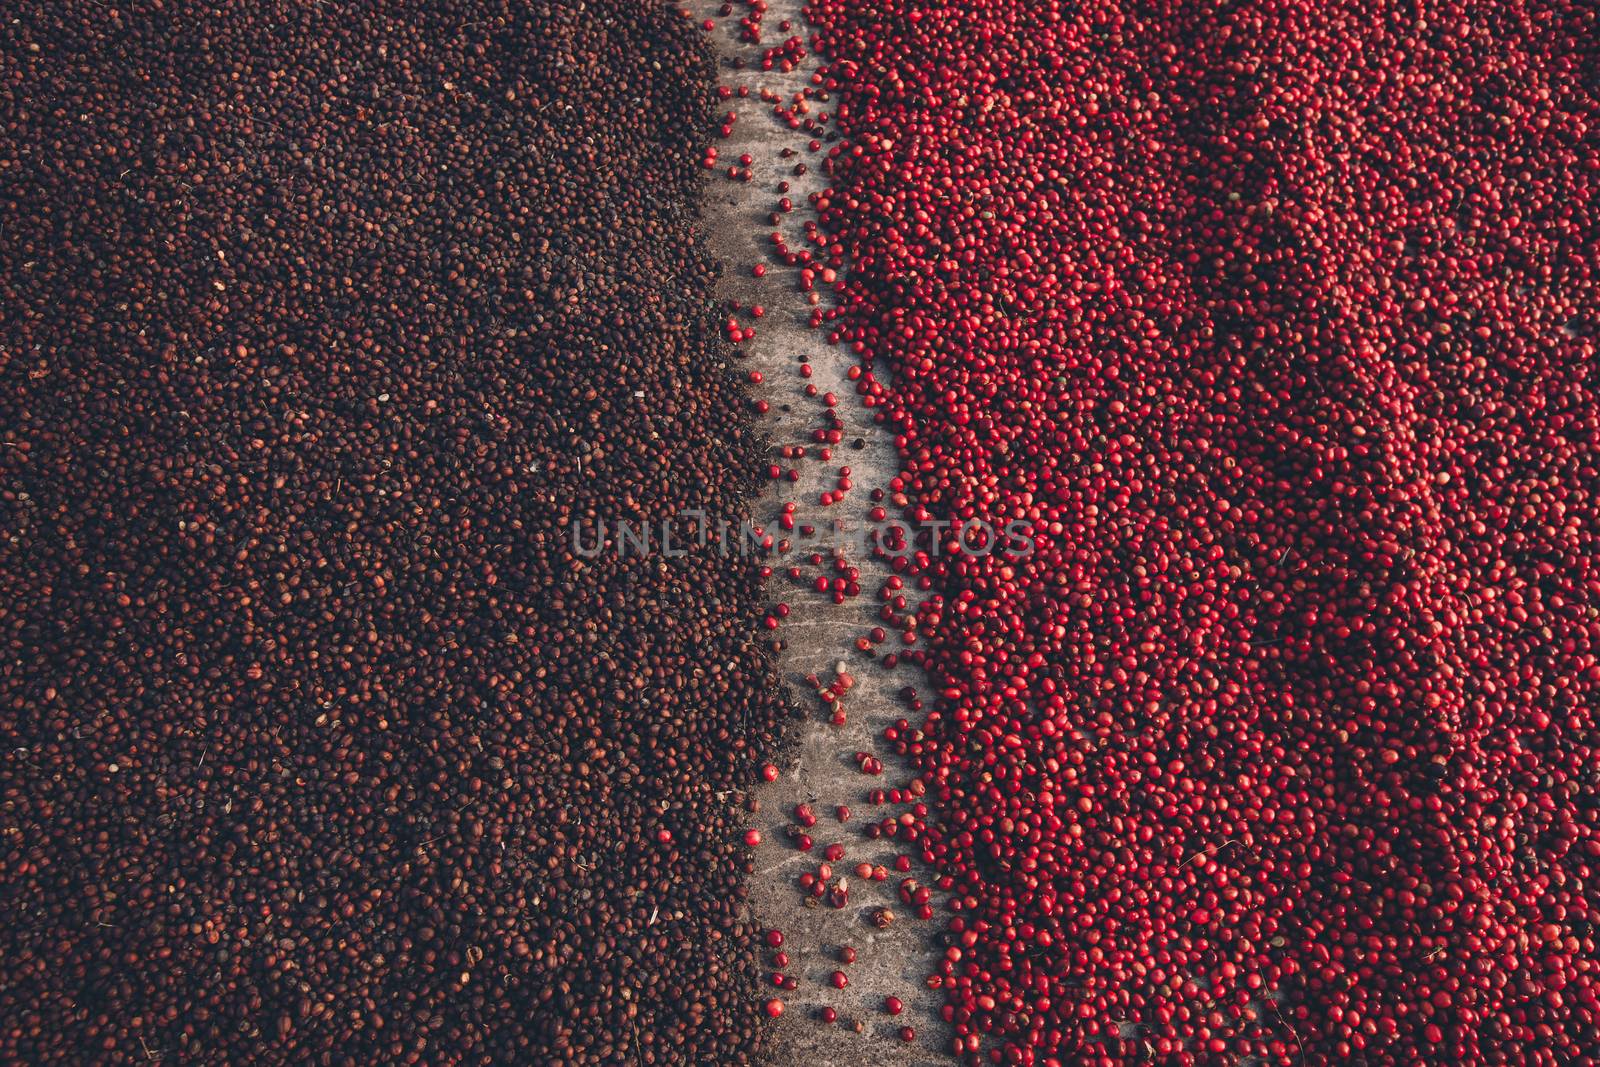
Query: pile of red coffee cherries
pixel 1276 325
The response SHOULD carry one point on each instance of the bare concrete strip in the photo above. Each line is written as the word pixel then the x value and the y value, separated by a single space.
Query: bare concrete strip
pixel 895 961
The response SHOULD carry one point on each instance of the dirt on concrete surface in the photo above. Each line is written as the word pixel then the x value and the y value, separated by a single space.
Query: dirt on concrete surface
pixel 820 635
